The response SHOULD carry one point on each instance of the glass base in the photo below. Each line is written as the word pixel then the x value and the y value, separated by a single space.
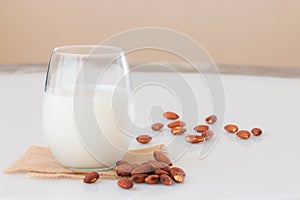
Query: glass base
pixel 89 169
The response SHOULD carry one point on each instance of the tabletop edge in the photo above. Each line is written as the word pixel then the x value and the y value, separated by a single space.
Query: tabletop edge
pixel 248 70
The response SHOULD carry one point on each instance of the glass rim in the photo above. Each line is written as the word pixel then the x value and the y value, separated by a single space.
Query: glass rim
pixel 67 50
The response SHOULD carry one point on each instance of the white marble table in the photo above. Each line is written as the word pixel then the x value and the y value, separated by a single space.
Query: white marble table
pixel 264 168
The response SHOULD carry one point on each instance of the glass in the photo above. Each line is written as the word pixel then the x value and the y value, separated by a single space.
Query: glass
pixel 85 108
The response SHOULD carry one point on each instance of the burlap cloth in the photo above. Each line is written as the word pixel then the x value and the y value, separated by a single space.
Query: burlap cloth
pixel 38 162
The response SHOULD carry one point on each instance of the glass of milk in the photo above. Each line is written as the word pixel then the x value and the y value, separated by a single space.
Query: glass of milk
pixel 86 117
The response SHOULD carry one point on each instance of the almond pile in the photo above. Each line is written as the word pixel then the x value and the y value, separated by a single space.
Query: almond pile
pixel 159 170
pixel 155 171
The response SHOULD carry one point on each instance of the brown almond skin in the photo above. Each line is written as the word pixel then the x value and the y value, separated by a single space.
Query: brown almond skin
pixel 256 131
pixel 201 128
pixel 243 134
pixel 165 167
pixel 152 179
pixel 178 169
pixel 165 179
pixel 161 157
pixel 194 139
pixel 155 164
pixel 211 119
pixel 124 169
pixel 161 172
pixel 144 139
pixel 177 176
pixel 120 162
pixel 177 123
pixel 125 183
pixel 91 177
pixel 178 130
pixel 231 128
pixel 170 115
pixel 142 169
pixel 157 126
pixel 208 134
pixel 138 178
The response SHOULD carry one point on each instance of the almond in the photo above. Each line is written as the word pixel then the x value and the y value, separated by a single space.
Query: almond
pixel 194 139
pixel 91 177
pixel 211 119
pixel 201 128
pixel 155 164
pixel 178 178
pixel 138 178
pixel 125 183
pixel 179 170
pixel 165 179
pixel 152 179
pixel 124 169
pixel 256 131
pixel 178 130
pixel 157 126
pixel 161 157
pixel 243 134
pixel 161 171
pixel 177 123
pixel 231 128
pixel 144 139
pixel 142 169
pixel 170 115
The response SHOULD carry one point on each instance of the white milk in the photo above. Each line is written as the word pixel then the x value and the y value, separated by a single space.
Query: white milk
pixel 62 134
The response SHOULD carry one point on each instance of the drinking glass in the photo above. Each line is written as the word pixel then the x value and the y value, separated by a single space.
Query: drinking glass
pixel 85 108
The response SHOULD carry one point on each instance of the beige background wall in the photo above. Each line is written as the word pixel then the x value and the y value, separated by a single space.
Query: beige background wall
pixel 252 32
